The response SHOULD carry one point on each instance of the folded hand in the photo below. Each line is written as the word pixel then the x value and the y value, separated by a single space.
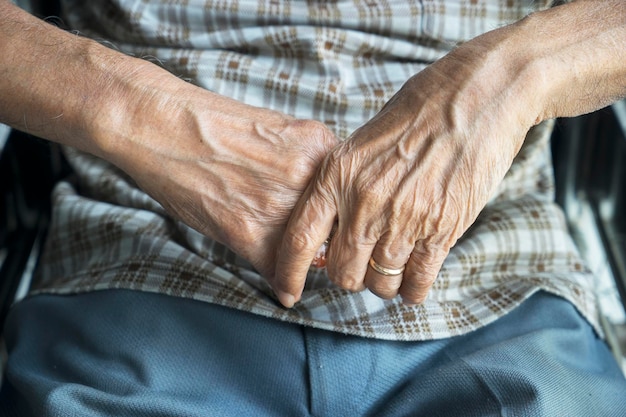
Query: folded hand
pixel 231 171
pixel 407 184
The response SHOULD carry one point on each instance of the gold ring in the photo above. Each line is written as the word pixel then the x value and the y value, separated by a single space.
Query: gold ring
pixel 389 272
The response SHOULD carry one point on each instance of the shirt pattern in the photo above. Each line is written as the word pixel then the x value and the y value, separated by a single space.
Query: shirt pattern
pixel 337 62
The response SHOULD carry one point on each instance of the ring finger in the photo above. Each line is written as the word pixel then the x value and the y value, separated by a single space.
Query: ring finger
pixel 386 266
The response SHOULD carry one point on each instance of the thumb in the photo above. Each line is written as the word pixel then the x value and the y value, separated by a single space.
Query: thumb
pixel 309 226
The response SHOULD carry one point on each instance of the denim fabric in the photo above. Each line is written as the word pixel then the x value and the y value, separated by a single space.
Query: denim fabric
pixel 127 353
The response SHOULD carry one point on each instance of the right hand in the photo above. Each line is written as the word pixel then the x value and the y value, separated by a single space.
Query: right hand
pixel 231 171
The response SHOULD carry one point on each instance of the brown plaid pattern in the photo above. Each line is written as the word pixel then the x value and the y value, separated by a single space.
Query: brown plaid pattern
pixel 337 62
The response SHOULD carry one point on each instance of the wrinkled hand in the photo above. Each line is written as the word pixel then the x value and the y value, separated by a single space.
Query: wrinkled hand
pixel 408 183
pixel 232 172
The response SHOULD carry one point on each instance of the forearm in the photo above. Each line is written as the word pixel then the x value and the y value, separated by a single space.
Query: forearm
pixel 434 155
pixel 74 91
pixel 579 53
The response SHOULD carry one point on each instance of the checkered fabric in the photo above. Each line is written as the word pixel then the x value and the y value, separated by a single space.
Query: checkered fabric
pixel 334 61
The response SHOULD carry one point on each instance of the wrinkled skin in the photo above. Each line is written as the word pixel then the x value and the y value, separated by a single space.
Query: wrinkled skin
pixel 236 180
pixel 402 189
pixel 231 171
pixel 408 183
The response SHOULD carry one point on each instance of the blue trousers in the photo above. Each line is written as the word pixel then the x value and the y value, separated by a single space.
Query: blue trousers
pixel 125 353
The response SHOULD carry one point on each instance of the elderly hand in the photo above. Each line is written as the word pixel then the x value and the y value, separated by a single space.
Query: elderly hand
pixel 407 184
pixel 231 171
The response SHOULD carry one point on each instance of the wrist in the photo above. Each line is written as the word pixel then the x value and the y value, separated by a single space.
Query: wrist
pixel 576 59
pixel 139 110
pixel 514 74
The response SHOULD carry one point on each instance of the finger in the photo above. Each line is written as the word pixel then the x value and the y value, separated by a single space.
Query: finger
pixel 348 255
pixel 392 254
pixel 421 271
pixel 310 224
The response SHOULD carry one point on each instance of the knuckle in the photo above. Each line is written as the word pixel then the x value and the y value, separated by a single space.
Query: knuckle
pixel 391 256
pixel 313 127
pixel 298 241
pixel 427 258
pixel 299 171
pixel 319 134
pixel 348 282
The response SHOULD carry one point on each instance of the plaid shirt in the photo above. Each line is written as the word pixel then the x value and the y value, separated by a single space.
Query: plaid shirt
pixel 337 62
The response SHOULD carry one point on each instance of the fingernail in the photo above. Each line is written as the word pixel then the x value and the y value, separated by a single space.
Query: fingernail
pixel 286 299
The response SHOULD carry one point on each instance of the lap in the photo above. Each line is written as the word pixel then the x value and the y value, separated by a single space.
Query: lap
pixel 114 353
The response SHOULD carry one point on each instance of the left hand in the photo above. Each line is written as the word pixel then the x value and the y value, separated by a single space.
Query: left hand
pixel 408 183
